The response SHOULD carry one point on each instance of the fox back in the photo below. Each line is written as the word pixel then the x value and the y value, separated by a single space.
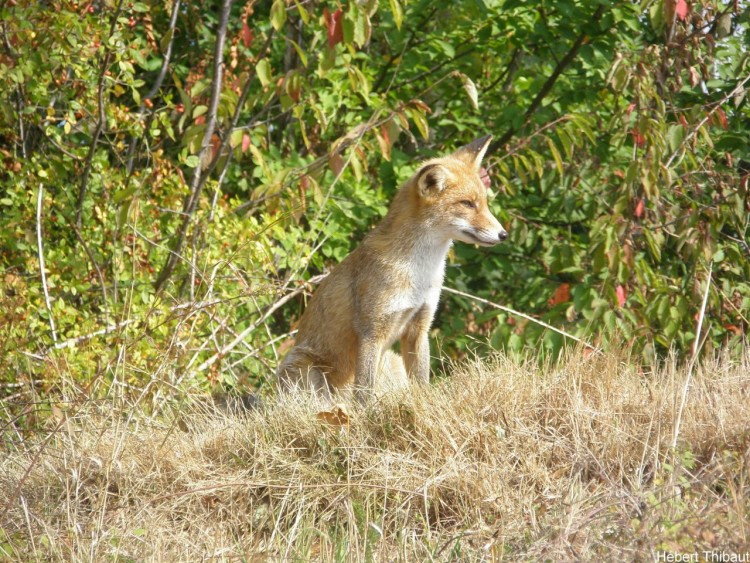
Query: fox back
pixel 387 290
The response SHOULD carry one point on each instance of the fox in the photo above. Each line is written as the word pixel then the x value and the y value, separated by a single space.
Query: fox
pixel 388 288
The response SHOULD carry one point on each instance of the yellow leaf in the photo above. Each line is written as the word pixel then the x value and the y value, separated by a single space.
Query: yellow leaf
pixel 398 13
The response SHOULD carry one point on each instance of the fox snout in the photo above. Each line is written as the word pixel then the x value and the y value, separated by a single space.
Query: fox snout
pixel 485 237
pixel 484 230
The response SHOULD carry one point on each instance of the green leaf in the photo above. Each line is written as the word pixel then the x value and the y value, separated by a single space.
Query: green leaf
pixel 263 69
pixel 192 161
pixel 235 139
pixel 122 195
pixel 199 110
pixel 304 16
pixel 556 156
pixel 260 161
pixel 300 53
pixel 361 28
pixel 420 121
pixel 656 15
pixel 675 136
pixel 164 43
pixel 278 14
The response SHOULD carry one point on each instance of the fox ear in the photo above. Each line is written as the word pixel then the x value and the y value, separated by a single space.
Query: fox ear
pixel 432 179
pixel 473 153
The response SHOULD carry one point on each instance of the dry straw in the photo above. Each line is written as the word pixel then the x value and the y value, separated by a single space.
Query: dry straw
pixel 500 460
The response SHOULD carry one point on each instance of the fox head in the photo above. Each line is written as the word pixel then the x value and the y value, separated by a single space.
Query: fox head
pixel 453 195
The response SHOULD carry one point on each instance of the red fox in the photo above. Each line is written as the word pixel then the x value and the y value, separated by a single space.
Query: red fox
pixel 388 288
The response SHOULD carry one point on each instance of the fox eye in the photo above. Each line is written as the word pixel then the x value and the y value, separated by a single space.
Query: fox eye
pixel 468 203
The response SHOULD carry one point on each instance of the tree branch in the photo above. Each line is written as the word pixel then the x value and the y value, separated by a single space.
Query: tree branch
pixel 522 315
pixel 196 185
pixel 550 82
pixel 40 248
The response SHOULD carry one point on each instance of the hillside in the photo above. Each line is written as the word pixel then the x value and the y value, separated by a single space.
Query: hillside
pixel 498 461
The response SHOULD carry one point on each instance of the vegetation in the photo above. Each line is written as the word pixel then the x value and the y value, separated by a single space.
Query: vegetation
pixel 181 168
pixel 175 178
pixel 500 461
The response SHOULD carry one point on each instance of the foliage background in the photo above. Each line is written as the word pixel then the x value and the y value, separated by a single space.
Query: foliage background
pixel 185 169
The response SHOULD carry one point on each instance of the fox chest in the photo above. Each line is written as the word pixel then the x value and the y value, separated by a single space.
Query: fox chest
pixel 419 295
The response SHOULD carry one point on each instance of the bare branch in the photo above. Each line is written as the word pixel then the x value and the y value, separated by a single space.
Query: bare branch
pixel 167 53
pixel 40 248
pixel 693 359
pixel 241 336
pixel 522 315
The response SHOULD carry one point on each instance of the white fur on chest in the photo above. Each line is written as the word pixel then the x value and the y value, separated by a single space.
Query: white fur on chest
pixel 424 266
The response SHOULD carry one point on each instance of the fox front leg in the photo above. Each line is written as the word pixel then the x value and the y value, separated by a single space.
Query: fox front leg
pixel 368 360
pixel 415 346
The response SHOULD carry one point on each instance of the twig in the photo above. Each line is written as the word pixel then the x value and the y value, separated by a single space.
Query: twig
pixel 241 336
pixel 522 315
pixel 231 127
pixel 507 75
pixel 389 63
pixel 694 359
pixel 167 53
pixel 96 267
pixel 40 248
pixel 72 342
pixel 19 92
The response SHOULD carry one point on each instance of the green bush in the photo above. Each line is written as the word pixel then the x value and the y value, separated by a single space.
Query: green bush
pixel 180 204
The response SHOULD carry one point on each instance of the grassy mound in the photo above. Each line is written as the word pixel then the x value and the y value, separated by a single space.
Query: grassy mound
pixel 500 460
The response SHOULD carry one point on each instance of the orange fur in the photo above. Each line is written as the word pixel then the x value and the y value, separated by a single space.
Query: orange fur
pixel 387 290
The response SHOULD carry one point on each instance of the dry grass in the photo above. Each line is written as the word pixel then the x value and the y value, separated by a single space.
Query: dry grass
pixel 500 461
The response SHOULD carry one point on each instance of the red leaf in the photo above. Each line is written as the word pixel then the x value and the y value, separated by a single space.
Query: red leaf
pixel 334 27
pixel 561 295
pixel 215 145
pixel 386 137
pixel 245 142
pixel 639 209
pixel 630 108
pixel 681 9
pixel 638 138
pixel 722 118
pixel 621 295
pixel 247 34
pixel 336 163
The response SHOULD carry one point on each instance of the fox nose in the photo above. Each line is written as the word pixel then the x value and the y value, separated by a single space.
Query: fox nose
pixel 502 235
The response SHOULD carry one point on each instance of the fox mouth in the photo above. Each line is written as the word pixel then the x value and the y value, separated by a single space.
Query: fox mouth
pixel 476 239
